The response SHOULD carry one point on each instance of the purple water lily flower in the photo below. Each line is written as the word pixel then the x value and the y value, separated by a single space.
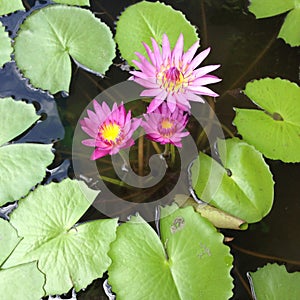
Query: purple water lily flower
pixel 164 126
pixel 172 75
pixel 111 129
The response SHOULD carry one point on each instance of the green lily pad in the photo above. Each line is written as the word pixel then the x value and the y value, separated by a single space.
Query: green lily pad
pixel 242 187
pixel 141 21
pixel 9 240
pixel 5 46
pixel 290 31
pixel 22 166
pixel 15 118
pixel 74 2
pixel 273 282
pixel 68 254
pixel 21 282
pixel 275 131
pixel 50 36
pixel 9 6
pixel 177 266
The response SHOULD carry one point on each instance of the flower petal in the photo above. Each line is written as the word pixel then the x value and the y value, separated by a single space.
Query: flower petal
pixel 166 50
pixel 202 90
pixel 198 60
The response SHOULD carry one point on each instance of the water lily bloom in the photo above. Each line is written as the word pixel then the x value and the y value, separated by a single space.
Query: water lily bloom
pixel 164 126
pixel 172 75
pixel 111 129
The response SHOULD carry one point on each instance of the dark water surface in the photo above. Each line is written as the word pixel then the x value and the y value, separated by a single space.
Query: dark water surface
pixel 247 49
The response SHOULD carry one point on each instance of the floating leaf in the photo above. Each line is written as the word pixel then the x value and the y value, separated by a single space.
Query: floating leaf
pixel 242 187
pixel 68 254
pixel 50 36
pixel 179 266
pixel 5 46
pixel 141 21
pixel 15 118
pixel 9 6
pixel 21 282
pixel 275 131
pixel 9 240
pixel 217 217
pixel 290 30
pixel 273 282
pixel 74 2
pixel 22 166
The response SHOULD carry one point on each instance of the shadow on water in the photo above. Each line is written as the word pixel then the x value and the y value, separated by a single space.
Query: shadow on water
pixel 247 49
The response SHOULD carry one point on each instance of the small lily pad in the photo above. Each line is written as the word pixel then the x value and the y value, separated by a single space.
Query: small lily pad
pixel 273 282
pixel 21 282
pixel 275 130
pixel 9 6
pixel 22 166
pixel 5 46
pixel 290 30
pixel 49 37
pixel 141 21
pixel 178 266
pixel 68 254
pixel 242 186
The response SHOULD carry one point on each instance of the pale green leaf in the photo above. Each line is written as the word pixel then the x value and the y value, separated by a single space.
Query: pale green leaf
pixel 9 6
pixel 22 282
pixel 74 2
pixel 5 46
pixel 269 8
pixel 242 187
pixel 68 254
pixel 216 216
pixel 275 131
pixel 51 36
pixel 141 21
pixel 15 118
pixel 22 166
pixel 290 30
pixel 8 240
pixel 273 282
pixel 179 266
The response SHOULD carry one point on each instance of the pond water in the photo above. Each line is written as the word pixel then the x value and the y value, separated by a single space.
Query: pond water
pixel 247 49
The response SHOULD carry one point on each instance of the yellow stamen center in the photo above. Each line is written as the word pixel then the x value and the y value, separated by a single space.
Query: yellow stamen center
pixel 166 124
pixel 110 132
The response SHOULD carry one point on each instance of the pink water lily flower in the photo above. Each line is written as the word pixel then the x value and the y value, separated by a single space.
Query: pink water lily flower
pixel 172 75
pixel 110 129
pixel 164 126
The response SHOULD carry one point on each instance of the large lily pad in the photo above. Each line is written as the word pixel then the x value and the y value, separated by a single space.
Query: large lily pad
pixel 22 166
pixel 5 46
pixel 242 187
pixel 177 266
pixel 68 254
pixel 141 21
pixel 273 282
pixel 275 131
pixel 21 282
pixel 9 6
pixel 50 36
pixel 290 30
